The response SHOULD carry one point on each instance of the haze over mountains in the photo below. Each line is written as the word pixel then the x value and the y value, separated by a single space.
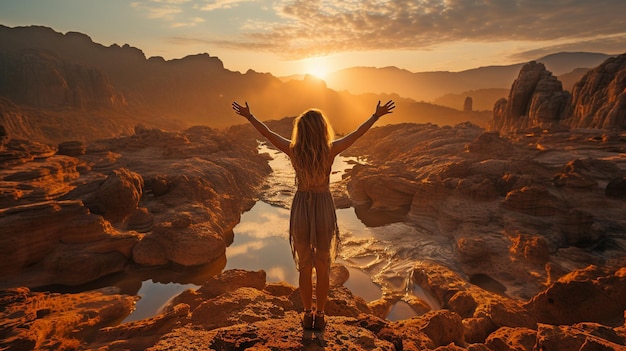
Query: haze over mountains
pixel 485 84
pixel 54 86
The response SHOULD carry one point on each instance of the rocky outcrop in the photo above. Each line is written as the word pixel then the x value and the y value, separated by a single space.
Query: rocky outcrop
pixel 60 242
pixel 597 293
pixel 73 219
pixel 599 98
pixel 536 99
pixel 507 206
pixel 179 242
pixel 468 104
pixel 72 148
pixel 391 193
pixel 48 321
pixel 118 195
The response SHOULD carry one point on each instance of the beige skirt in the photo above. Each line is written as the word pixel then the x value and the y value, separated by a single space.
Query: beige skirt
pixel 313 231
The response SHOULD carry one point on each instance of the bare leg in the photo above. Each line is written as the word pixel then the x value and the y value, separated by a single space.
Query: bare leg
pixel 322 286
pixel 306 286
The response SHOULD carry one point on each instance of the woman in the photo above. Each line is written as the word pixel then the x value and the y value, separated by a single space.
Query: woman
pixel 313 232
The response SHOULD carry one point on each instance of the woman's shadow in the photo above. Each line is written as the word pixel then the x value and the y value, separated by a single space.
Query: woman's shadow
pixel 313 340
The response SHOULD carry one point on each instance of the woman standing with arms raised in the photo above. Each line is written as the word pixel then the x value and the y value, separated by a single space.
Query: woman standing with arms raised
pixel 313 232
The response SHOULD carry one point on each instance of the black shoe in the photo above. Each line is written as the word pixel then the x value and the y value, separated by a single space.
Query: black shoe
pixel 307 320
pixel 320 322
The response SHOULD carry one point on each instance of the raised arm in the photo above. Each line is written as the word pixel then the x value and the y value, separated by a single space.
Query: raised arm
pixel 341 144
pixel 277 140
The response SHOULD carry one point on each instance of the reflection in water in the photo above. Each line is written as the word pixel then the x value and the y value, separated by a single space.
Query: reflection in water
pixel 153 297
pixel 381 217
pixel 400 310
pixel 262 242
pixel 362 285
pixel 155 286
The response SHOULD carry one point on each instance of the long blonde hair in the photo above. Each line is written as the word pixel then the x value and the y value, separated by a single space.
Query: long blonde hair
pixel 311 142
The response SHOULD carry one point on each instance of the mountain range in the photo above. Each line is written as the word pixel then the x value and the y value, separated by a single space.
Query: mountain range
pixel 56 87
pixel 484 84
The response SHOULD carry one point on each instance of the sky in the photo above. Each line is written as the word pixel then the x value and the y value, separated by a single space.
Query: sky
pixel 288 37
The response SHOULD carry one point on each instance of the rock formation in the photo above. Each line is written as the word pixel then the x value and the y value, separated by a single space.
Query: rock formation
pixel 508 231
pixel 152 198
pixel 536 99
pixel 508 206
pixel 599 98
pixel 48 321
pixel 468 104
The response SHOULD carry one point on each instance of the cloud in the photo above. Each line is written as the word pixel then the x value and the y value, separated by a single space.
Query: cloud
pixel 174 12
pixel 277 274
pixel 167 13
pixel 191 22
pixel 186 41
pixel 211 5
pixel 608 45
pixel 317 27
pixel 245 248
pixel 169 1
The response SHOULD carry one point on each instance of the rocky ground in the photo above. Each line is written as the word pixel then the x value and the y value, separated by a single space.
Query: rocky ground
pixel 72 214
pixel 238 310
pixel 535 221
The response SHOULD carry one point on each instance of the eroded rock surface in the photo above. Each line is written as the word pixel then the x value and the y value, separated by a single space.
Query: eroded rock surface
pixel 537 100
pixel 152 198
pixel 599 98
pixel 49 321
pixel 519 212
pixel 240 310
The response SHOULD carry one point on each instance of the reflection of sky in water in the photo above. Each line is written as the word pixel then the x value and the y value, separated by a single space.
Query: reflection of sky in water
pixel 281 184
pixel 153 297
pixel 261 242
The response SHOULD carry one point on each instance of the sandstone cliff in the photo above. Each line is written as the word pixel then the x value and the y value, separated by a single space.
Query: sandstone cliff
pixel 599 98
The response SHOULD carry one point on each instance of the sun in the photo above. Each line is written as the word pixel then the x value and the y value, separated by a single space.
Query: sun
pixel 317 66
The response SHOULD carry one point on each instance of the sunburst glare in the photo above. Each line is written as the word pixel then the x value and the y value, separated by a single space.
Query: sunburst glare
pixel 317 66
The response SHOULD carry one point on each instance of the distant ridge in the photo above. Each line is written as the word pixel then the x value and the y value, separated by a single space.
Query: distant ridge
pixel 428 86
pixel 566 62
pixel 197 90
pixel 193 90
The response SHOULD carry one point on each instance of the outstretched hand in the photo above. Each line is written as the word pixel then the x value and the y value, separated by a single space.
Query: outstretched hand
pixel 242 110
pixel 384 109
